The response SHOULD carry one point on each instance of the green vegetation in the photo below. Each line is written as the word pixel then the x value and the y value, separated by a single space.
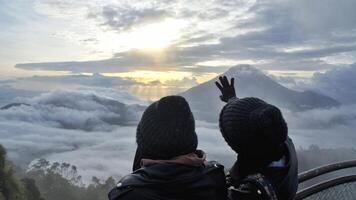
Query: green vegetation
pixel 55 181
pixel 59 181
pixel 11 187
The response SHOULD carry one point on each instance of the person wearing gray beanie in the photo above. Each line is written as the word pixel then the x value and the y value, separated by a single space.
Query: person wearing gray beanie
pixel 258 133
pixel 167 164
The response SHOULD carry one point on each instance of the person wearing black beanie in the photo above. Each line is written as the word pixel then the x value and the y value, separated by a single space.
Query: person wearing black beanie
pixel 167 164
pixel 166 130
pixel 258 133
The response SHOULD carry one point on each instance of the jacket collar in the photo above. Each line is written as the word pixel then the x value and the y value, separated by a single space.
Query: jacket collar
pixel 192 159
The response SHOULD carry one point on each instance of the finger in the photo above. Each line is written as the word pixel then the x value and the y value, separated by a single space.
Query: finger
pixel 221 80
pixel 225 82
pixel 232 82
pixel 218 85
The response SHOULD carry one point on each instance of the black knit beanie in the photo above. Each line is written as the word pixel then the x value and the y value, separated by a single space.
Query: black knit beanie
pixel 166 130
pixel 253 128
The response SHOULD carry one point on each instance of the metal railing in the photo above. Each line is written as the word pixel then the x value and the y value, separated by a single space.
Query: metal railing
pixel 343 187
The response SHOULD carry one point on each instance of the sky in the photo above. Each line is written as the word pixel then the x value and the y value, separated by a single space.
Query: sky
pixel 165 40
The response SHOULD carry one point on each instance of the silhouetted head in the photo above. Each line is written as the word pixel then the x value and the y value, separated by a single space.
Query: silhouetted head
pixel 253 128
pixel 166 130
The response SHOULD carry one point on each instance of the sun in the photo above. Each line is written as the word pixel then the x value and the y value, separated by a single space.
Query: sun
pixel 155 36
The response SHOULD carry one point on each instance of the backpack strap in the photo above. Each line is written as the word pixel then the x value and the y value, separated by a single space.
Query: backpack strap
pixel 255 186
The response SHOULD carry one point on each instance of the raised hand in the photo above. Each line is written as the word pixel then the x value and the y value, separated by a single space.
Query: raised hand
pixel 227 90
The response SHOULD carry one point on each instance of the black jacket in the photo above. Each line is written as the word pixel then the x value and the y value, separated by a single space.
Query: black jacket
pixel 284 180
pixel 173 182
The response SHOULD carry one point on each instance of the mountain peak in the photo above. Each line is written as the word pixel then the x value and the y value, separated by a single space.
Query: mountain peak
pixel 243 70
pixel 252 82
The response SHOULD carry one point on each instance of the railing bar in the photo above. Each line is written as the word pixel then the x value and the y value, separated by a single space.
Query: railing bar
pixel 304 176
pixel 323 186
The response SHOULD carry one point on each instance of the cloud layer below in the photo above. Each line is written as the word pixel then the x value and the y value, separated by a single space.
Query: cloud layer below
pixel 41 130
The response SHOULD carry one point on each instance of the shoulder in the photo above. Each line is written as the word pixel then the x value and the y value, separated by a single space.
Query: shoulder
pixel 213 165
pixel 136 184
pixel 215 170
pixel 214 176
pixel 120 193
pixel 125 188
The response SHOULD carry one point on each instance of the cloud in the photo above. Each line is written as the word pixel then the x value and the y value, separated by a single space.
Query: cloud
pixel 20 89
pixel 87 150
pixel 95 80
pixel 8 94
pixel 110 153
pixel 342 116
pixel 327 128
pixel 112 87
pixel 125 18
pixel 80 127
pixel 338 83
pixel 185 82
pixel 276 34
pixel 74 110
pixel 61 8
pixel 98 153
pixel 122 62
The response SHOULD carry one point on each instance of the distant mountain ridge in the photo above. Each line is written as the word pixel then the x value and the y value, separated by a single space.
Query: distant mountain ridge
pixel 8 106
pixel 252 82
pixel 74 110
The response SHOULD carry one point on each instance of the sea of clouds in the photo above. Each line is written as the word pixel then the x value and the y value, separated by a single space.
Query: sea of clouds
pixel 95 133
pixel 94 128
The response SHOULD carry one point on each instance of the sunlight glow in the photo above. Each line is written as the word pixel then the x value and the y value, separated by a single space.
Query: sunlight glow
pixel 153 39
pixel 155 36
pixel 145 76
pixel 206 77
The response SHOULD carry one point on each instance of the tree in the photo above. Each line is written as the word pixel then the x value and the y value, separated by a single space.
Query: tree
pixel 10 186
pixel 31 190
pixel 61 181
